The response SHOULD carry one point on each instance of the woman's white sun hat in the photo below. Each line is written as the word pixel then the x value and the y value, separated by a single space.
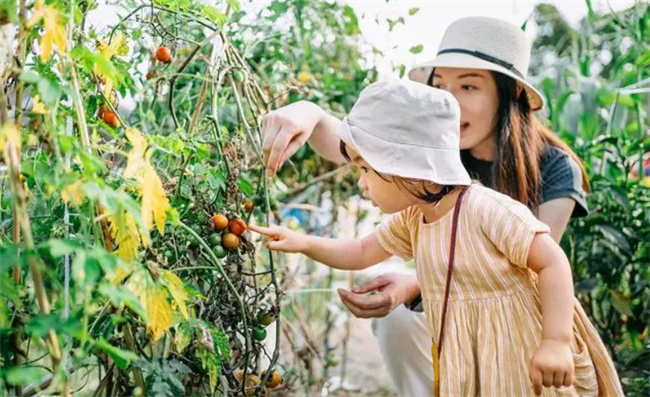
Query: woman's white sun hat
pixel 484 43
pixel 407 129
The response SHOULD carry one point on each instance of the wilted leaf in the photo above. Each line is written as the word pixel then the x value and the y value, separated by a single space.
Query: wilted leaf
pixel 9 133
pixel 124 232
pixel 155 203
pixel 154 300
pixel 177 290
pixel 620 302
pixel 38 107
pixel 106 52
pixel 182 337
pixel 54 30
pixel 73 193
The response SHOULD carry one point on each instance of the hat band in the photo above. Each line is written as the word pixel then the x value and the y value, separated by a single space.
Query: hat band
pixel 485 57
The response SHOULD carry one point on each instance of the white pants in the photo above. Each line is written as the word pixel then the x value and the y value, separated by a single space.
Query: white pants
pixel 405 342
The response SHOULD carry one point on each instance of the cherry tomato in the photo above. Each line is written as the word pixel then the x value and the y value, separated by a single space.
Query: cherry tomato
pixel 110 118
pixel 219 222
pixel 230 241
pixel 219 251
pixel 237 226
pixel 274 380
pixel 163 54
pixel 259 333
pixel 265 318
pixel 238 76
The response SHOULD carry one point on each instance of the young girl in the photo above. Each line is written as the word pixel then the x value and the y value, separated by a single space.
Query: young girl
pixel 497 289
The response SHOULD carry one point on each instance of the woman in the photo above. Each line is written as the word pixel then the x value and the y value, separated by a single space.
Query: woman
pixel 483 62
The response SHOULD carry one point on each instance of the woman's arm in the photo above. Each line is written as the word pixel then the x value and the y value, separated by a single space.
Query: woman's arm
pixel 344 254
pixel 287 129
pixel 557 214
pixel 552 363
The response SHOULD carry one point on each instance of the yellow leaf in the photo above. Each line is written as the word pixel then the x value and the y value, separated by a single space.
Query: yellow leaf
pixel 38 107
pixel 73 192
pixel 9 133
pixel 122 271
pixel 124 231
pixel 135 159
pixel 154 200
pixel 54 31
pixel 182 338
pixel 107 51
pixel 154 300
pixel 304 76
pixel 155 203
pixel 177 290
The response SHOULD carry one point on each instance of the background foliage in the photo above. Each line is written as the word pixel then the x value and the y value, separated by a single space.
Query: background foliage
pixel 117 284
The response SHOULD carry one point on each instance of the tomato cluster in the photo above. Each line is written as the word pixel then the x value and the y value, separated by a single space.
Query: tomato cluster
pixel 226 234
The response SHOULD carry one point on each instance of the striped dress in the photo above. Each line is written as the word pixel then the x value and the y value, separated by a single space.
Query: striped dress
pixel 494 320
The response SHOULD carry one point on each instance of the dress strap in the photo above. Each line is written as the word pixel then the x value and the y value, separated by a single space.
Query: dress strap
pixel 437 348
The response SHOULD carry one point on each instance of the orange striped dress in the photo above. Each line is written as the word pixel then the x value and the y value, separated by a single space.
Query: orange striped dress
pixel 494 320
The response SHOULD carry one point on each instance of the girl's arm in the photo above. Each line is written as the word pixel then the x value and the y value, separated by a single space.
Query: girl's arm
pixel 344 254
pixel 552 364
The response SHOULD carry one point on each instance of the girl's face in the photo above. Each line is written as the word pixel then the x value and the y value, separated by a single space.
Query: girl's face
pixel 476 91
pixel 384 194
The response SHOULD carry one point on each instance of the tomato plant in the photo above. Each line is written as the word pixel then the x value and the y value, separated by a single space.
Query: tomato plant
pixel 123 256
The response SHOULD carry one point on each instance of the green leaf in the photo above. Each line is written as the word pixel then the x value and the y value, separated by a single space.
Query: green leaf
pixel 24 375
pixel 30 77
pixel 245 186
pixel 49 91
pixel 59 248
pixel 121 296
pixel 416 49
pixel 413 11
pixel 402 70
pixel 40 325
pixel 210 363
pixel 123 358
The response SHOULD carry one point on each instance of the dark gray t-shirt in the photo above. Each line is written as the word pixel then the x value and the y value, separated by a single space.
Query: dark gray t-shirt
pixel 561 177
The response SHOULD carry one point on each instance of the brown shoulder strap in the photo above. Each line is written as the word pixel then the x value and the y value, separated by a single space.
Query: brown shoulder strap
pixel 452 255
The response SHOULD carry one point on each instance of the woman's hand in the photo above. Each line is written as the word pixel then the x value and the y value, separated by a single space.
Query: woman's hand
pixel 286 130
pixel 280 238
pixel 392 289
pixel 551 365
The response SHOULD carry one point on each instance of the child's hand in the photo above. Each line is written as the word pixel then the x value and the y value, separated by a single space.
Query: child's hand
pixel 281 239
pixel 551 365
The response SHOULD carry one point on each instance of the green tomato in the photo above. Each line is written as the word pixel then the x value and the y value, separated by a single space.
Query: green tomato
pixel 197 229
pixel 265 318
pixel 169 254
pixel 215 239
pixel 259 333
pixel 219 251
pixel 238 76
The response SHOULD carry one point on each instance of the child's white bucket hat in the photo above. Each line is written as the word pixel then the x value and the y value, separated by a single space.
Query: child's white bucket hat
pixel 483 43
pixel 407 129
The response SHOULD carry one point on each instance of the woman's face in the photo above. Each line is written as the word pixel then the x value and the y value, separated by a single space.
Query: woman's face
pixel 476 91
